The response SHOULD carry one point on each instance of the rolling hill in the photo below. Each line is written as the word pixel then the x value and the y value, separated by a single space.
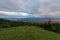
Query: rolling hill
pixel 27 33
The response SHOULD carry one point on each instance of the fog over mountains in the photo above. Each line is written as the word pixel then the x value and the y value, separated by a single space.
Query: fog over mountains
pixel 29 8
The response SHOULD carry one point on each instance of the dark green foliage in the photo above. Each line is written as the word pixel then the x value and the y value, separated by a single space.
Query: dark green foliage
pixel 55 27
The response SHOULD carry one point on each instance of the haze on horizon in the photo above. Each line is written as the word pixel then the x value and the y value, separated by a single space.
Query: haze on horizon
pixel 29 8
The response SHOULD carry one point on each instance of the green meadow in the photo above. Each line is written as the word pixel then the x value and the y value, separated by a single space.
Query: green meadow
pixel 27 33
pixel 18 30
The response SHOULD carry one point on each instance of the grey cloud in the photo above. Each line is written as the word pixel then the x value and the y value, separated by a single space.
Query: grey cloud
pixel 19 5
pixel 37 7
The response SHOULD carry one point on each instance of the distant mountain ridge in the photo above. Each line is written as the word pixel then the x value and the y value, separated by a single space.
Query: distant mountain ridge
pixel 32 19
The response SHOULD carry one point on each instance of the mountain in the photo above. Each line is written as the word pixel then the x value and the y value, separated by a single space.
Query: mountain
pixel 33 19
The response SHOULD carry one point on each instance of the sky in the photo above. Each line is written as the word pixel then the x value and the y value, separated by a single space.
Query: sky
pixel 29 8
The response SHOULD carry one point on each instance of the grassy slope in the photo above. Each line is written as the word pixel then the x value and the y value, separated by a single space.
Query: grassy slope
pixel 27 33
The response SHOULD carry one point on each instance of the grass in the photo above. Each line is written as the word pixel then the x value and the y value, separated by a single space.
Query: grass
pixel 27 33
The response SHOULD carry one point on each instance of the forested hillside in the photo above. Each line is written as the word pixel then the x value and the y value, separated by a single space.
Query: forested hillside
pixel 55 27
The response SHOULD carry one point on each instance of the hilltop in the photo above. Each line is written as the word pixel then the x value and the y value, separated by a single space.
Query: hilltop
pixel 27 33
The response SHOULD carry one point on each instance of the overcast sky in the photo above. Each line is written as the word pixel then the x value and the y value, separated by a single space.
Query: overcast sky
pixel 29 8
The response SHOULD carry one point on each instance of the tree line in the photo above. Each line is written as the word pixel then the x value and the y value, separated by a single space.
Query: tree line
pixel 54 27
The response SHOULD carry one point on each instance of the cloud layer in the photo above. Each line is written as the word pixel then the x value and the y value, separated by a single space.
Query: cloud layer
pixel 30 8
pixel 4 14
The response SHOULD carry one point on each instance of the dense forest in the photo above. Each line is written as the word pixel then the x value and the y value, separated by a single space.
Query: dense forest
pixel 54 27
